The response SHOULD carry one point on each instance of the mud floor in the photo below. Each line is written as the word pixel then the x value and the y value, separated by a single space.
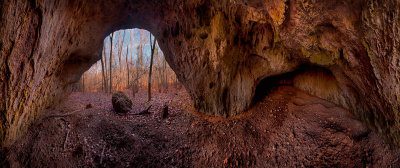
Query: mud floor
pixel 288 128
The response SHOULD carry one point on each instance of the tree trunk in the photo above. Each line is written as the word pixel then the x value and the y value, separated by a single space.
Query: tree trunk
pixel 121 43
pixel 103 86
pixel 163 73
pixel 132 45
pixel 152 46
pixel 127 66
pixel 105 72
pixel 159 65
pixel 166 75
pixel 111 47
pixel 83 82
pixel 137 66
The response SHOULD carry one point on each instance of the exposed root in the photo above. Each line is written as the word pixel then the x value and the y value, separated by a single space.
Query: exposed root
pixel 144 112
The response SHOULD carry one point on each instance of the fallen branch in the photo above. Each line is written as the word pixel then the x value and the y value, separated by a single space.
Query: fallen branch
pixel 65 141
pixel 144 111
pixel 102 154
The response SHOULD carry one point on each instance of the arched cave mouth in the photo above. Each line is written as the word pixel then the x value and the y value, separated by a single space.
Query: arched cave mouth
pixel 315 80
pixel 131 53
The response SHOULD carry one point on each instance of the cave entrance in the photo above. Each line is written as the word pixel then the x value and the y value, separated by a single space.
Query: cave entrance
pixel 315 80
pixel 129 65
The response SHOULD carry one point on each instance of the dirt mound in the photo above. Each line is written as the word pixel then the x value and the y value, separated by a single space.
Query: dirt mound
pixel 288 129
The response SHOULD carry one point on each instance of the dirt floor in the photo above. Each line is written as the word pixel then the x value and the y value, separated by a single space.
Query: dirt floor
pixel 288 128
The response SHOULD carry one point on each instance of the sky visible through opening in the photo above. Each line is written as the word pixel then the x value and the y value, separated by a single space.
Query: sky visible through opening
pixel 132 38
pixel 126 51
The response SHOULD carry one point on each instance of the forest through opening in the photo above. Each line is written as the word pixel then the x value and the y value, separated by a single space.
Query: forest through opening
pixel 129 64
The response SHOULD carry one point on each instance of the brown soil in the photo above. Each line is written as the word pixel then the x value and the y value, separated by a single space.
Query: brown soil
pixel 286 129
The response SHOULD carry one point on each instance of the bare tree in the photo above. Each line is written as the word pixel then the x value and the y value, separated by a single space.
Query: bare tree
pixel 104 85
pixel 160 70
pixel 111 47
pixel 132 72
pixel 131 44
pixel 138 49
pixel 140 57
pixel 106 73
pixel 166 74
pixel 121 43
pixel 83 82
pixel 127 66
pixel 120 52
pixel 152 46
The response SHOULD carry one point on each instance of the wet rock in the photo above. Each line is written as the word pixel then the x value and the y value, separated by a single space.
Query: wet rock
pixel 121 103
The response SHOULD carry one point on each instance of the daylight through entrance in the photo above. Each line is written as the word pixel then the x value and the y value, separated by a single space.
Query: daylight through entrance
pixel 129 65
pixel 262 83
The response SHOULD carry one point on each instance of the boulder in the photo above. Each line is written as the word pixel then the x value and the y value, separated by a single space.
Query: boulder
pixel 121 103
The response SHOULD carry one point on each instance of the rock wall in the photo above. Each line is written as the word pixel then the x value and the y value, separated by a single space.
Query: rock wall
pixel 221 50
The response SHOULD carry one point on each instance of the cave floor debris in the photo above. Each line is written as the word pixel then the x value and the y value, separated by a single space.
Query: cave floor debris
pixel 288 128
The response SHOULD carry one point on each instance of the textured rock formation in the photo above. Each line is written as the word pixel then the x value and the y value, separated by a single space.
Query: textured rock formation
pixel 343 51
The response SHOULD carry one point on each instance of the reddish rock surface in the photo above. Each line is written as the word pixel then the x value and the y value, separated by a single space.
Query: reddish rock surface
pixel 344 51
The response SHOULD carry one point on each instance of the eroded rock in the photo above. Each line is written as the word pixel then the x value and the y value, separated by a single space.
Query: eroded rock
pixel 344 51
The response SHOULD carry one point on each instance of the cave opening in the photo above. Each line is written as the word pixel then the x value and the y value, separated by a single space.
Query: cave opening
pixel 221 51
pixel 315 80
pixel 129 65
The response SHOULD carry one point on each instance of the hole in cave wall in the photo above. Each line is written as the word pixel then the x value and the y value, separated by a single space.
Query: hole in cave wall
pixel 315 80
pixel 130 64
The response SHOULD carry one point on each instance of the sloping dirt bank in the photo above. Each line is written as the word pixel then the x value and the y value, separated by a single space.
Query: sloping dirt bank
pixel 289 128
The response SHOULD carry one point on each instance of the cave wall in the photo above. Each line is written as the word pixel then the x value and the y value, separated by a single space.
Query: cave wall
pixel 219 49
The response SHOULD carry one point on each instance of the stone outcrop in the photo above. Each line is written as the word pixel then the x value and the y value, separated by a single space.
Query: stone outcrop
pixel 221 50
